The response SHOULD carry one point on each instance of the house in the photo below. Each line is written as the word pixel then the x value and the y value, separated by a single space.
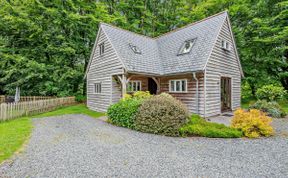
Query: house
pixel 197 64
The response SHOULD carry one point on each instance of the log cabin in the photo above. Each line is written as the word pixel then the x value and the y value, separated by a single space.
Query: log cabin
pixel 197 64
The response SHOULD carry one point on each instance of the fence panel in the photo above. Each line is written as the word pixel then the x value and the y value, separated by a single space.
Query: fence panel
pixel 13 110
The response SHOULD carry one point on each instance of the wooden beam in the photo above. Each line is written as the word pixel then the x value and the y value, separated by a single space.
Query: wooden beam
pixel 157 82
pixel 123 85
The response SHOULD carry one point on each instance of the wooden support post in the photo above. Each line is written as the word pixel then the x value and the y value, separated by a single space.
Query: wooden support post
pixel 158 84
pixel 123 85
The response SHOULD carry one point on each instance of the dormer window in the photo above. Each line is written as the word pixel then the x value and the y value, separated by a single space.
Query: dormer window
pixel 225 45
pixel 101 48
pixel 135 49
pixel 187 46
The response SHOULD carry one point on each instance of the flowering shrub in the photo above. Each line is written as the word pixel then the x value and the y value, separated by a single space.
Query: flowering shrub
pixel 253 123
pixel 142 94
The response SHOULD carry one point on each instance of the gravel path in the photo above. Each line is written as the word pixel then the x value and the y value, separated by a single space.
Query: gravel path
pixel 80 146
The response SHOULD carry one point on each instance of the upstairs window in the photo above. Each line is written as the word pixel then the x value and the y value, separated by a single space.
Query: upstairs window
pixel 187 46
pixel 97 87
pixel 135 49
pixel 225 45
pixel 178 85
pixel 134 86
pixel 101 48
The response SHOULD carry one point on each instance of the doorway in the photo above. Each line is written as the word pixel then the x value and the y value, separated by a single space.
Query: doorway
pixel 225 94
pixel 152 86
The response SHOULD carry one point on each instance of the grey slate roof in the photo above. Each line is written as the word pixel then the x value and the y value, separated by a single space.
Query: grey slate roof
pixel 159 55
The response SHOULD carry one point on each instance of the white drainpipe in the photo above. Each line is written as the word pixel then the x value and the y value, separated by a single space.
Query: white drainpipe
pixel 197 92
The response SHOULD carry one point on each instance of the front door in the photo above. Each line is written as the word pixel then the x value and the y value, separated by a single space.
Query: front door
pixel 152 86
pixel 225 94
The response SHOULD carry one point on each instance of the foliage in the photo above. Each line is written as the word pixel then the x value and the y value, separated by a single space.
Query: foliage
pixel 142 94
pixel 246 91
pixel 253 123
pixel 166 95
pixel 12 135
pixel 161 115
pixel 272 108
pixel 80 98
pixel 197 126
pixel 270 93
pixel 123 113
pixel 45 45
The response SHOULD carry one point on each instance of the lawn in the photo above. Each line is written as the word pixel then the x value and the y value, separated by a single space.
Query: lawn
pixel 15 132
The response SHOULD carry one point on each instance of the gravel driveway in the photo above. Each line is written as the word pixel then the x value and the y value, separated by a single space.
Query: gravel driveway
pixel 80 146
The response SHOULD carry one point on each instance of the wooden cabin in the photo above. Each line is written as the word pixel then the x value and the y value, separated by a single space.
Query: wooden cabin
pixel 197 64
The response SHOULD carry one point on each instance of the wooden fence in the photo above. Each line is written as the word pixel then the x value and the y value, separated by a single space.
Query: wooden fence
pixel 27 98
pixel 13 110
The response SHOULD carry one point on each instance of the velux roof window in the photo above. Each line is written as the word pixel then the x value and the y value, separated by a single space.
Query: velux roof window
pixel 135 49
pixel 186 46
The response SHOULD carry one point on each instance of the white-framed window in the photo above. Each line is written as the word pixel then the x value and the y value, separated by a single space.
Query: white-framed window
pixel 186 46
pixel 134 85
pixel 179 85
pixel 97 87
pixel 101 48
pixel 225 45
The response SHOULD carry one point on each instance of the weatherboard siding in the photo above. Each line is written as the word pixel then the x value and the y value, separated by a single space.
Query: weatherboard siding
pixel 222 64
pixel 101 70
pixel 188 98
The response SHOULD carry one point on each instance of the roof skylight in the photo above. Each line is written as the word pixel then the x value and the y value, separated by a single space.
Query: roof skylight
pixel 187 46
pixel 135 49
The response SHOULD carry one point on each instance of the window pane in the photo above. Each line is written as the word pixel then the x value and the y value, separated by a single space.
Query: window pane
pixel 177 85
pixel 183 85
pixel 138 86
pixel 134 86
pixel 172 85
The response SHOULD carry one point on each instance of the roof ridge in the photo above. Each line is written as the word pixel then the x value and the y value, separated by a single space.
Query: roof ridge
pixel 177 29
pixel 190 24
pixel 122 29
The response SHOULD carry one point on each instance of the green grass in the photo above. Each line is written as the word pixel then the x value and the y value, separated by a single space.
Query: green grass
pixel 197 126
pixel 15 132
pixel 76 109
pixel 12 136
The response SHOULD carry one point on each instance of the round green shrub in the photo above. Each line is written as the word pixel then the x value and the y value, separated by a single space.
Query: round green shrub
pixel 272 108
pixel 270 93
pixel 161 115
pixel 80 98
pixel 123 113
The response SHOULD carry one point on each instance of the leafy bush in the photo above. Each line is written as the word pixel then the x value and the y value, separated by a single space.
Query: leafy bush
pixel 197 126
pixel 123 113
pixel 270 93
pixel 161 115
pixel 142 94
pixel 246 91
pixel 80 98
pixel 253 123
pixel 272 108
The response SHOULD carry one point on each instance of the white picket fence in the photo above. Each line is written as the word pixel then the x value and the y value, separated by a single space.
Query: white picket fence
pixel 13 110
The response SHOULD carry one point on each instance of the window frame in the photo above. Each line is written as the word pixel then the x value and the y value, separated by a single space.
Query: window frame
pixel 132 88
pixel 227 45
pixel 174 86
pixel 183 45
pixel 97 88
pixel 101 49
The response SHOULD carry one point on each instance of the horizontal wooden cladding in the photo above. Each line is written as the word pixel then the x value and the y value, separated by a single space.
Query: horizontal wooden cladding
pixel 221 63
pixel 189 97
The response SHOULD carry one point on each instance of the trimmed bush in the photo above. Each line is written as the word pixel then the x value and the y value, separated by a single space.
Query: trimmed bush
pixel 161 115
pixel 142 94
pixel 270 93
pixel 123 113
pixel 198 126
pixel 253 123
pixel 80 98
pixel 272 108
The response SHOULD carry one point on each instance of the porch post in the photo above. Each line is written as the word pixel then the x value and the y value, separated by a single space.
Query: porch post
pixel 123 85
pixel 158 84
